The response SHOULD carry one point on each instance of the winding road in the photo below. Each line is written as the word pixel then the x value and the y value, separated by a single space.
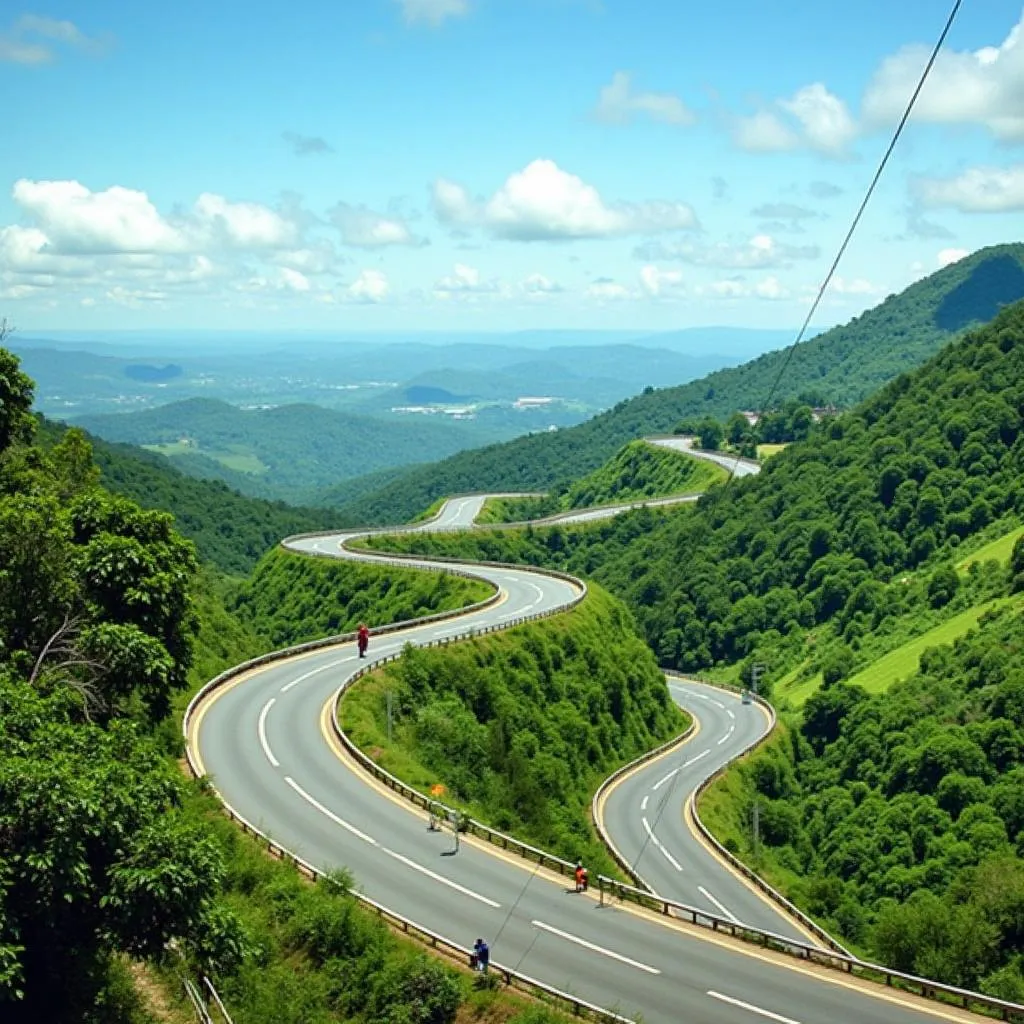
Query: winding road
pixel 265 741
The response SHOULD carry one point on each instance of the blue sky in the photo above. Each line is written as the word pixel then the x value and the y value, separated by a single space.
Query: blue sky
pixel 493 164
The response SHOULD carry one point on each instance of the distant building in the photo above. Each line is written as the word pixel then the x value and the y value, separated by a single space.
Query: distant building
pixel 528 402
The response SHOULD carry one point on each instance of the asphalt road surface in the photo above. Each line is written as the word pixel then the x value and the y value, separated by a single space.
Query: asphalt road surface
pixel 265 743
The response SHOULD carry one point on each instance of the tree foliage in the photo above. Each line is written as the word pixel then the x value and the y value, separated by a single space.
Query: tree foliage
pixel 95 635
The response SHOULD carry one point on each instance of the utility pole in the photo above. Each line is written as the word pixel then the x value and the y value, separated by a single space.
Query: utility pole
pixel 757 831
pixel 756 672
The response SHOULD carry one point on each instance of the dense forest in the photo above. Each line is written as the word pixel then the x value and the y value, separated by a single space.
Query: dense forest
pixel 96 626
pixel 837 367
pixel 294 450
pixel 230 531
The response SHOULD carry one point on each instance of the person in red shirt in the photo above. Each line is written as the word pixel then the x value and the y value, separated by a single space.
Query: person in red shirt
pixel 362 639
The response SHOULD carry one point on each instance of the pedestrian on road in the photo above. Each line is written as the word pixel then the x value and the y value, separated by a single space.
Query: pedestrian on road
pixel 580 875
pixel 362 639
pixel 483 955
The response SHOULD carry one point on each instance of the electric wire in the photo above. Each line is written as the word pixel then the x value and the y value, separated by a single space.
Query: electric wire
pixel 859 214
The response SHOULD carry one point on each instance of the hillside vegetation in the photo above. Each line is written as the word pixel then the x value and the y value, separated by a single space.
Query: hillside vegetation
pixel 522 726
pixel 290 598
pixel 839 367
pixel 892 808
pixel 639 470
pixel 230 531
pixel 300 448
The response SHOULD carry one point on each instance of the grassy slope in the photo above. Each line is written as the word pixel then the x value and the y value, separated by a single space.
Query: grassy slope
pixel 636 472
pixel 291 598
pixel 522 726
pixel 997 550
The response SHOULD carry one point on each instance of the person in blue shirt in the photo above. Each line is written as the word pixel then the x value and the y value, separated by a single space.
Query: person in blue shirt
pixel 483 955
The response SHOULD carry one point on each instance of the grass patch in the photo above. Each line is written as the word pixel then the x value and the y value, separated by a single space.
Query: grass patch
pixel 239 459
pixel 766 451
pixel 998 550
pixel 904 660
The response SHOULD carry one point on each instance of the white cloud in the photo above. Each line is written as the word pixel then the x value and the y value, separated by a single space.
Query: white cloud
pixel 364 229
pixel 977 190
pixel 29 40
pixel 453 204
pixel 317 258
pixel 813 118
pixel 824 119
pixel 135 297
pixel 764 132
pixel 768 288
pixel 76 220
pixel 605 289
pixel 947 256
pixel 369 286
pixel 465 281
pixel 619 104
pixel 293 280
pixel 983 87
pixel 544 203
pixel 538 284
pixel 853 286
pixel 245 225
pixel 433 12
pixel 657 282
pixel 761 251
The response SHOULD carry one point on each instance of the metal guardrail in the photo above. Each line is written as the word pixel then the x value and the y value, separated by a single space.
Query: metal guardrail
pixel 832 959
pixel 512 978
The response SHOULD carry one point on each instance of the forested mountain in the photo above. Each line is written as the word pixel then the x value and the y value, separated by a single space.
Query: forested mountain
pixel 287 452
pixel 230 531
pixel 840 367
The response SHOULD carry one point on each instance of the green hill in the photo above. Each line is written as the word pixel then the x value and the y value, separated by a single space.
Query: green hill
pixel 286 452
pixel 839 367
pixel 230 531
pixel 637 471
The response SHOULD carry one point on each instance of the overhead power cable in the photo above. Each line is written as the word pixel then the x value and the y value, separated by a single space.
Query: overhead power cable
pixel 860 212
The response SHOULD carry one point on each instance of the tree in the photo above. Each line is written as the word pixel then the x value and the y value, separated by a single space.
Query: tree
pixel 943 585
pixel 710 433
pixel 97 855
pixel 16 423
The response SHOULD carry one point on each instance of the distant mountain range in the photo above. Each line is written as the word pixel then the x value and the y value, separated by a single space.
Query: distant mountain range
pixel 839 367
pixel 382 378
pixel 286 453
